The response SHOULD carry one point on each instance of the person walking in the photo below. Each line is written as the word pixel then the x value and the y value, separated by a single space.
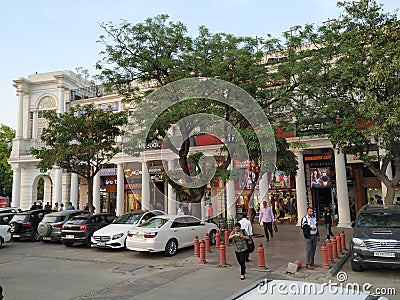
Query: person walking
pixel 180 210
pixel 210 213
pixel 55 207
pixel 70 206
pixel 329 219
pixel 311 234
pixel 239 238
pixel 61 207
pixel 246 225
pixel 266 217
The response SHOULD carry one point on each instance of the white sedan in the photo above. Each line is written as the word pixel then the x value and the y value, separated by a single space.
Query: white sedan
pixel 114 235
pixel 168 233
pixel 5 234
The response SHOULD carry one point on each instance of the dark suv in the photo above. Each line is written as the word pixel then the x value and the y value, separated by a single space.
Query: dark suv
pixel 24 224
pixel 80 228
pixel 376 238
pixel 50 227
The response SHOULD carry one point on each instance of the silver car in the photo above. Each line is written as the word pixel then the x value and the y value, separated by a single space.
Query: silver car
pixel 50 227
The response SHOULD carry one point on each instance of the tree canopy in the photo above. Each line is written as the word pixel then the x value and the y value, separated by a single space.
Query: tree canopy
pixel 6 136
pixel 159 51
pixel 345 73
pixel 80 141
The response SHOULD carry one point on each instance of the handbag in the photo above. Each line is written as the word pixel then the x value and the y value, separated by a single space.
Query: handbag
pixel 250 245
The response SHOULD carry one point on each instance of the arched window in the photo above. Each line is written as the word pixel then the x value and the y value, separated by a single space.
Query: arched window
pixel 45 104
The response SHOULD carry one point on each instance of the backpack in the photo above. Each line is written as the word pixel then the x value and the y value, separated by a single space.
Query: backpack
pixel 306 229
pixel 250 243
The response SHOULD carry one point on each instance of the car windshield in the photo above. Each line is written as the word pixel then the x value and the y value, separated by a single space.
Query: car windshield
pixel 53 219
pixel 383 219
pixel 128 219
pixel 154 223
pixel 21 218
pixel 77 221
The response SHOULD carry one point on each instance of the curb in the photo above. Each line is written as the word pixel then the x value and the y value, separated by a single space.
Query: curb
pixel 335 268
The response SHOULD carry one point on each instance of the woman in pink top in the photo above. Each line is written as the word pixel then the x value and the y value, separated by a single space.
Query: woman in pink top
pixel 266 218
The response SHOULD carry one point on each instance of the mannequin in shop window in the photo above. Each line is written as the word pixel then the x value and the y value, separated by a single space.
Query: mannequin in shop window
pixel 315 179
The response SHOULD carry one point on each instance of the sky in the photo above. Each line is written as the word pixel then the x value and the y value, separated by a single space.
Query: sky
pixel 53 35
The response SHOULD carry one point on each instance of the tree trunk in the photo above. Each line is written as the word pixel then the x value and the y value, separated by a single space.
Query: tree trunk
pixel 90 194
pixel 389 198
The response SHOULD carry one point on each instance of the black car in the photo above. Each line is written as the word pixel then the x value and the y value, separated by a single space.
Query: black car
pixel 80 228
pixel 5 218
pixel 376 238
pixel 24 224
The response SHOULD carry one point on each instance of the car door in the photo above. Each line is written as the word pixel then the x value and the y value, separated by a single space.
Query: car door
pixel 195 229
pixel 179 231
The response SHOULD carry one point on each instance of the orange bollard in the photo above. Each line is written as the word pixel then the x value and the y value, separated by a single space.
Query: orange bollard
pixel 261 257
pixel 324 255
pixel 334 248
pixel 217 240
pixel 207 241
pixel 222 254
pixel 339 245
pixel 196 246
pixel 202 252
pixel 226 237
pixel 343 240
pixel 329 252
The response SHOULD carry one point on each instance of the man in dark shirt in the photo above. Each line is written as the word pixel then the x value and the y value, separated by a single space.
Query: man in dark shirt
pixel 328 216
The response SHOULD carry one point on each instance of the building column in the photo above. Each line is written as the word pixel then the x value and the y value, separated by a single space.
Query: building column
pixel 145 187
pixel 342 191
pixel 96 193
pixel 120 189
pixel 230 196
pixel 171 193
pixel 74 190
pixel 35 125
pixel 61 104
pixel 388 173
pixel 20 117
pixel 301 191
pixel 58 185
pixel 263 184
pixel 16 187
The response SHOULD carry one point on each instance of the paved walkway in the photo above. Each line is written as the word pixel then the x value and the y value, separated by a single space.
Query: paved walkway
pixel 210 281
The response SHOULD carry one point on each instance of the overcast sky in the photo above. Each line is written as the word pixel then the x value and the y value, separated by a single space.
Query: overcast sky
pixel 52 35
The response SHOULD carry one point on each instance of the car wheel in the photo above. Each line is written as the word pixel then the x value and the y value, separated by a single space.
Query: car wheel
pixel 213 237
pixel 68 244
pixel 171 247
pixel 355 266
pixel 35 237
pixel 88 242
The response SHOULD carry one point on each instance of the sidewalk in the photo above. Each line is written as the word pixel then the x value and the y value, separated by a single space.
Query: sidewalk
pixel 210 281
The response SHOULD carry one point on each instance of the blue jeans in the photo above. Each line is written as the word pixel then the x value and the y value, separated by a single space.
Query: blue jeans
pixel 329 230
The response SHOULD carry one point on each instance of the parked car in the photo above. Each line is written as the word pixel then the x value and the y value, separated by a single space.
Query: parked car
pixel 80 228
pixel 114 235
pixel 5 218
pixel 50 227
pixel 168 233
pixel 24 224
pixel 376 237
pixel 10 210
pixel 5 234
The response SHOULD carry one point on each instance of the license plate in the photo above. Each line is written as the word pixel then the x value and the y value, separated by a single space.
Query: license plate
pixel 101 244
pixel 385 254
pixel 70 236
pixel 46 238
pixel 16 235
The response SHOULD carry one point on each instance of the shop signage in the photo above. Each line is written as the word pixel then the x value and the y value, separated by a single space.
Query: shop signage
pixel 108 172
pixel 319 160
pixel 156 169
pixel 110 181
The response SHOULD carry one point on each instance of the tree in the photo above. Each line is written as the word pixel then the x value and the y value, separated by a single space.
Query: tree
pixel 159 52
pixel 80 141
pixel 6 136
pixel 346 73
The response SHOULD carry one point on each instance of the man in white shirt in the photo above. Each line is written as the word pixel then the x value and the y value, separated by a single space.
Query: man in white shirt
pixel 311 234
pixel 246 225
pixel 180 210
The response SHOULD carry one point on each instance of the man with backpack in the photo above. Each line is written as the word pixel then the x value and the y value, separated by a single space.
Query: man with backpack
pixel 310 231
